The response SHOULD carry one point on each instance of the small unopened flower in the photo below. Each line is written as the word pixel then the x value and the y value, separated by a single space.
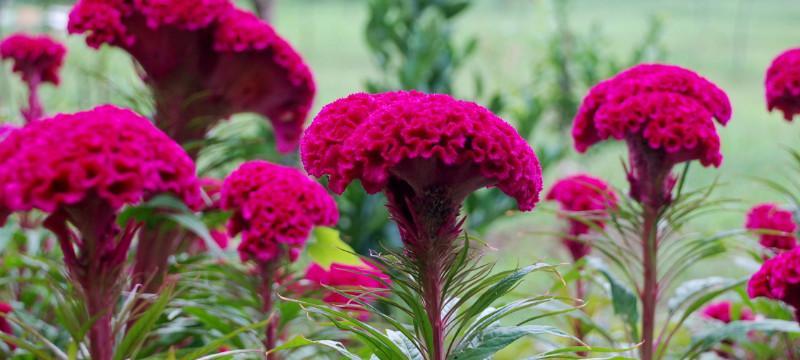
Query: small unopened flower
pixel 204 61
pixel 782 84
pixel 779 279
pixel 38 60
pixel 81 169
pixel 723 311
pixel 664 113
pixel 587 197
pixel 363 283
pixel 274 208
pixel 780 222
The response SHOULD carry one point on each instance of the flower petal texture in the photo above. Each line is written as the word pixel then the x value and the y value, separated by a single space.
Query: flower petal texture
pixel 782 83
pixel 36 58
pixel 669 108
pixel 106 153
pixel 773 218
pixel 426 140
pixel 778 279
pixel 205 60
pixel 274 208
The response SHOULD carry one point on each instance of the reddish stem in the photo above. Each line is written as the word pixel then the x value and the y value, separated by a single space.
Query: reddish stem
pixel 100 336
pixel 649 294
pixel 34 111
pixel 432 270
pixel 268 273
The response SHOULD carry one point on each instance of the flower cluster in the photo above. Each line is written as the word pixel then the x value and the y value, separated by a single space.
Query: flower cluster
pixel 108 153
pixel 358 281
pixel 586 196
pixel 782 83
pixel 778 279
pixel 771 217
pixel 425 141
pixel 205 60
pixel 668 108
pixel 723 311
pixel 274 207
pixel 36 58
pixel 5 325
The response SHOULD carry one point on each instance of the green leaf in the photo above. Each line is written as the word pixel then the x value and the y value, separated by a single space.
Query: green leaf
pixel 300 341
pixel 405 344
pixel 692 288
pixel 327 248
pixel 738 331
pixel 140 330
pixel 196 225
pixel 495 339
pixel 216 344
pixel 624 301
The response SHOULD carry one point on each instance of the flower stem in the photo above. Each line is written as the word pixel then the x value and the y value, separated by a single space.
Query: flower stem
pixel 34 111
pixel 649 294
pixel 268 273
pixel 100 337
pixel 431 270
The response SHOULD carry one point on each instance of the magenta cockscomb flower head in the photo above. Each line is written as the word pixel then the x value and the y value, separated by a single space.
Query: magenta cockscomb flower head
pixel 274 208
pixel 782 84
pixel 82 168
pixel 204 60
pixel 723 311
pixel 779 279
pixel 37 59
pixel 585 196
pixel 779 222
pixel 410 143
pixel 664 113
pixel 363 282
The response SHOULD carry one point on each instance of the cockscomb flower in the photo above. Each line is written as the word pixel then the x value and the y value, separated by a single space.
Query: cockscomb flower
pixel 82 168
pixel 779 279
pixel 204 61
pixel 723 311
pixel 427 153
pixel 274 208
pixel 665 114
pixel 108 155
pixel 38 60
pixel 585 196
pixel 780 222
pixel 360 282
pixel 782 84
pixel 430 142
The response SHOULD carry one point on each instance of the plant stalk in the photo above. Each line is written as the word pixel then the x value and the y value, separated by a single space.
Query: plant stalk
pixel 649 294
pixel 268 272
pixel 431 268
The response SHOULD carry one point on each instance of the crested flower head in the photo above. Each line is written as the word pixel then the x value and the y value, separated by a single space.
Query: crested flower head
pixel 585 196
pixel 778 279
pixel 723 311
pixel 204 60
pixel 771 217
pixel 5 325
pixel 782 83
pixel 36 58
pixel 428 142
pixel 274 207
pixel 107 154
pixel 668 109
pixel 359 281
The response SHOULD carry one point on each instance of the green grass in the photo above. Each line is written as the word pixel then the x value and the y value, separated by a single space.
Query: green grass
pixel 729 41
